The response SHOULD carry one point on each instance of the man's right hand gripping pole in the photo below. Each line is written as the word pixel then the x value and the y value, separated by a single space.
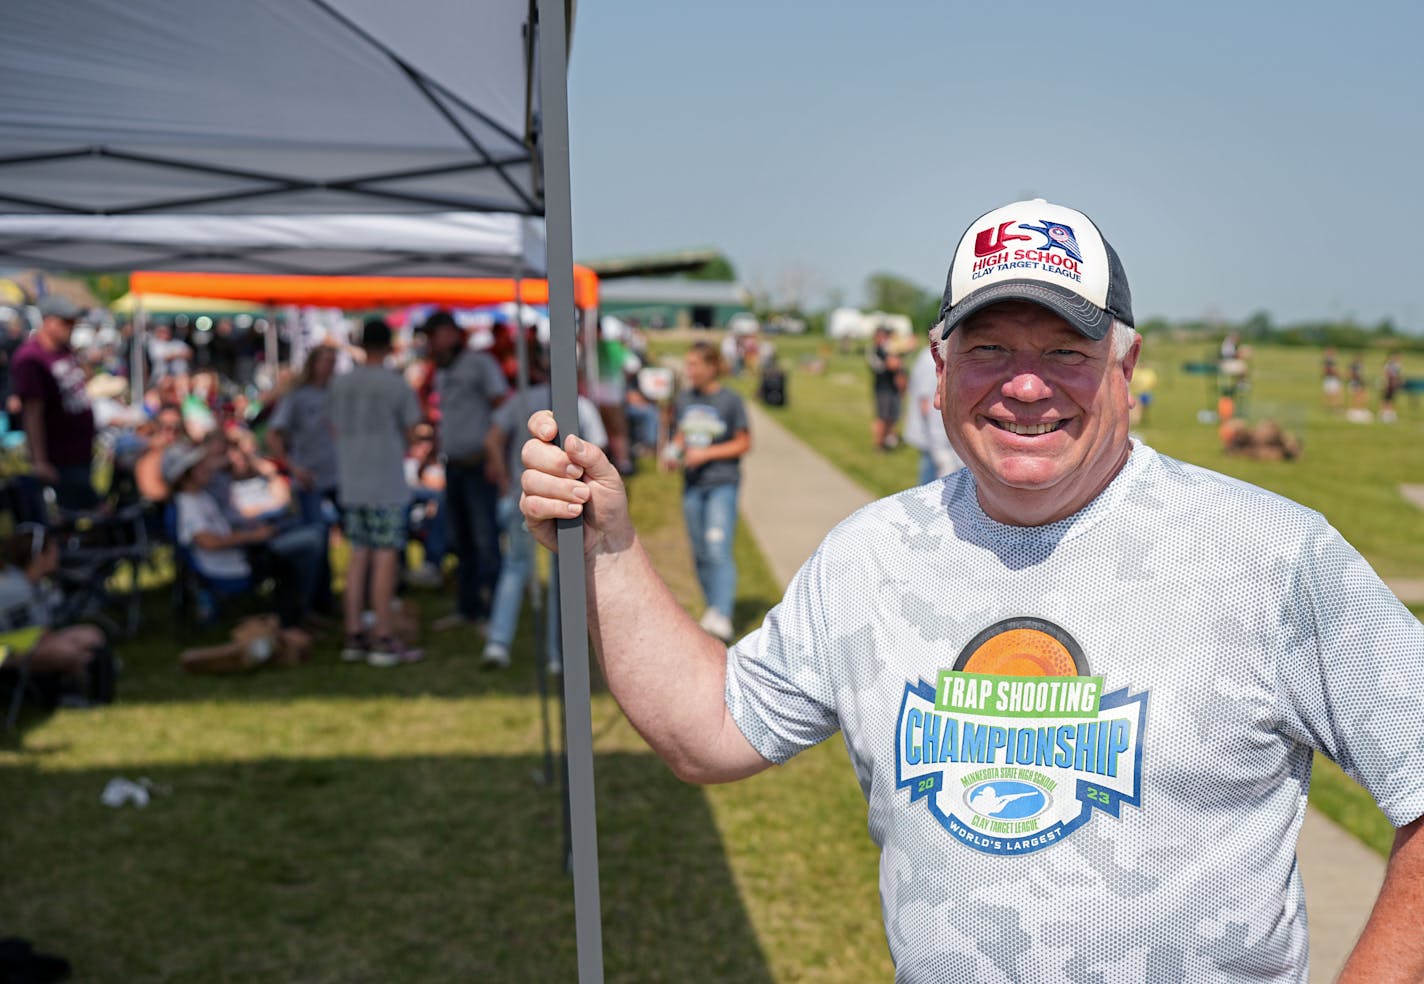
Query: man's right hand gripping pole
pixel 665 672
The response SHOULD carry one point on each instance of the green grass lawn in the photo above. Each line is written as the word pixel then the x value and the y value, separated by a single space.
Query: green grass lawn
pixel 342 823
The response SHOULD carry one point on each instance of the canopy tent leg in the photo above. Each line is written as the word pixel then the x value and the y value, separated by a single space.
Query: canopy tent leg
pixel 578 713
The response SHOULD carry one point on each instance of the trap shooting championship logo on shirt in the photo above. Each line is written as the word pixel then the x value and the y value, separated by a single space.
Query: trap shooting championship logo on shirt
pixel 1013 748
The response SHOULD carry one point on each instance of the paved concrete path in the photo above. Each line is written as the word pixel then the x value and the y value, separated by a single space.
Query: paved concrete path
pixel 791 497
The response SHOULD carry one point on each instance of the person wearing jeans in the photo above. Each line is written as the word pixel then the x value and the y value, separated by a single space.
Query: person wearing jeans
pixel 711 515
pixel 516 568
pixel 711 434
pixel 470 385
pixel 502 444
pixel 300 432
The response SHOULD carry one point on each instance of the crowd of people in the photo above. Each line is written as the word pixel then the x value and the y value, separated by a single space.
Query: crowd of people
pixel 253 472
pixel 1355 387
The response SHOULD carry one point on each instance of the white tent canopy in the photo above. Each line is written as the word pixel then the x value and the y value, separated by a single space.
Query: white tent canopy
pixel 295 107
pixel 267 106
pixel 442 244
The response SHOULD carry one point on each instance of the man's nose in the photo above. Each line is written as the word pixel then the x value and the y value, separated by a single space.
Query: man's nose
pixel 1027 385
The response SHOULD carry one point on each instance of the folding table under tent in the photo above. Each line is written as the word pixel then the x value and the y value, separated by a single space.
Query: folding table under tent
pixel 193 108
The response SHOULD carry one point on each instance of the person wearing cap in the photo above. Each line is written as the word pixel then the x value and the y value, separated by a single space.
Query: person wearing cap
pixel 470 385
pixel 1140 656
pixel 220 549
pixel 55 410
pixel 375 414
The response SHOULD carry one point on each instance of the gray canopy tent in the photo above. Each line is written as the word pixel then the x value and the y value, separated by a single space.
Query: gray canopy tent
pixel 437 244
pixel 204 108
pixel 434 244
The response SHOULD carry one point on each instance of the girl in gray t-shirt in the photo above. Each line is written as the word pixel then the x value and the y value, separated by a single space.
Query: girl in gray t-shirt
pixel 710 436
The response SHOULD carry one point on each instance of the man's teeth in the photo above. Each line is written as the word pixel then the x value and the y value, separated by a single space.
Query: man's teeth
pixel 1028 430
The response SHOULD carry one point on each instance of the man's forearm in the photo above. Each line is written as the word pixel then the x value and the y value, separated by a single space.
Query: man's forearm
pixel 33 419
pixel 1391 947
pixel 667 674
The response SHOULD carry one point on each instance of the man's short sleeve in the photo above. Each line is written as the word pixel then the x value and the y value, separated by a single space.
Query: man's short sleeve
pixel 410 408
pixel 281 419
pixel 923 378
pixel 778 688
pixel 491 378
pixel 27 378
pixel 737 417
pixel 191 519
pixel 505 416
pixel 1353 684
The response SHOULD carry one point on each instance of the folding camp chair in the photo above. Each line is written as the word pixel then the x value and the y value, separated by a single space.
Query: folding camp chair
pixel 193 591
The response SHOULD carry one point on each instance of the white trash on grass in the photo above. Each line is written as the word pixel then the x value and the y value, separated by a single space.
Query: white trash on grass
pixel 121 791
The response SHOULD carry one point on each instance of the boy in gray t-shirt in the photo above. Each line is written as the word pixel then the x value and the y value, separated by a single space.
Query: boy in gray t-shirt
pixel 373 411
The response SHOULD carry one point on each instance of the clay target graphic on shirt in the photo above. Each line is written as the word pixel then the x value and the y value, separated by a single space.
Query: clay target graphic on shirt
pixel 1023 647
pixel 1017 743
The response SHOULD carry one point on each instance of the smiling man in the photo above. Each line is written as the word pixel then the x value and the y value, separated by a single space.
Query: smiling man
pixel 1081 683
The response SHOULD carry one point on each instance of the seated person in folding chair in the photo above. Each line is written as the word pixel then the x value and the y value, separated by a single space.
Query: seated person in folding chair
pixel 246 485
pixel 163 431
pixel 74 661
pixel 425 474
pixel 223 553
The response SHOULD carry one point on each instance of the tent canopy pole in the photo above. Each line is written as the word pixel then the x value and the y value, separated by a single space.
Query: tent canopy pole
pixel 563 328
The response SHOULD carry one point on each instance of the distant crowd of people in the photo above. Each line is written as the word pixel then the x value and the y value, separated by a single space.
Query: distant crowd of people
pixel 1354 387
pixel 251 469
pixel 416 435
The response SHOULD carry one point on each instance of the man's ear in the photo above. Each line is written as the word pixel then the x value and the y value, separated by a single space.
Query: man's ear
pixel 1129 361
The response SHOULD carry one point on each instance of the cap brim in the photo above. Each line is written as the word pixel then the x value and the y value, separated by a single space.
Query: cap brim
pixel 1089 319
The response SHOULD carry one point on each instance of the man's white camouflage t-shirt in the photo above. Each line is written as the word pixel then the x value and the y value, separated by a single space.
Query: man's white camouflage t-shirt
pixel 1086 746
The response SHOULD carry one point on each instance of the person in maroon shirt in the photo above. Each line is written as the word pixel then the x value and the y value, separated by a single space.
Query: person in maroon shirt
pixel 58 421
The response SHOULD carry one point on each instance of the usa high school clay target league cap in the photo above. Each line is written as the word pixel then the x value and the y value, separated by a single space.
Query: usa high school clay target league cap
pixel 1042 253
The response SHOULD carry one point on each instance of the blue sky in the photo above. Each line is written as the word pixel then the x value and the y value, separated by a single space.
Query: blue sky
pixel 1239 156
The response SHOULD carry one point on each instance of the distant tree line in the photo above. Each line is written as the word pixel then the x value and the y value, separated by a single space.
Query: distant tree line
pixel 894 294
pixel 1343 334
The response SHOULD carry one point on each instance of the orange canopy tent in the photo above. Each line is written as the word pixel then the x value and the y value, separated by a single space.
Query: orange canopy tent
pixel 360 292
